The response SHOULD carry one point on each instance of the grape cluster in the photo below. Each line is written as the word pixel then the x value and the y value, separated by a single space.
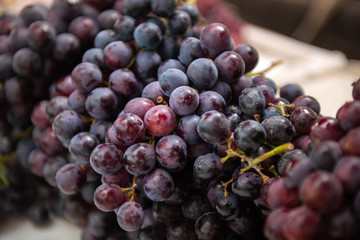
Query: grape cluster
pixel 318 194
pixel 149 124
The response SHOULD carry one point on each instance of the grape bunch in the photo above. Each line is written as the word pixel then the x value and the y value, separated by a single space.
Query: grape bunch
pixel 318 196
pixel 146 123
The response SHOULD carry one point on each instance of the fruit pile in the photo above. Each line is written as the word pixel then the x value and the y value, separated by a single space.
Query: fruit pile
pixel 133 119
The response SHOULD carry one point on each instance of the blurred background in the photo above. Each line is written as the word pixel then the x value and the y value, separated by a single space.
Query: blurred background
pixel 330 24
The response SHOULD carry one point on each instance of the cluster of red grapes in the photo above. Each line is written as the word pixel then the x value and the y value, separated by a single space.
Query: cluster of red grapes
pixel 144 117
pixel 318 195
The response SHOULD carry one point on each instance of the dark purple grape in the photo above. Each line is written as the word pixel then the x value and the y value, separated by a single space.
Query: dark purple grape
pixel 187 129
pixel 356 204
pixel 18 39
pixel 165 213
pixel 303 143
pixel 249 54
pixel 107 18
pixel 215 38
pixel 76 101
pixel 158 185
pixel 230 66
pixel 170 63
pixel 343 225
pixel 246 220
pixel 210 100
pixel 178 22
pixel 55 106
pixel 64 86
pixel 347 171
pixel 322 191
pixel 26 62
pixel 38 215
pixel 121 178
pixel 326 128
pixel 66 47
pixel 123 81
pixel 252 101
pixel 203 73
pixel 50 143
pixel 106 158
pixel 41 36
pixel 81 146
pixel 147 35
pixel 33 12
pixel 38 115
pixel 66 125
pixel 124 27
pixel 85 28
pixel 6 70
pixel 273 227
pixel 95 56
pixel 356 90
pixel 184 100
pixel 51 167
pixel 325 155
pixel 208 166
pixel 101 103
pixel 129 128
pixel 195 206
pixel 171 79
pixel 302 118
pixel 105 37
pixel 118 54
pixel 136 8
pixel 190 49
pixel 36 161
pixel 270 112
pixel 214 127
pixel 279 130
pixel 209 227
pixel 86 77
pixel 139 159
pixel 181 193
pixel 138 106
pixel 171 153
pixel 301 223
pixel 291 91
pixel 264 80
pixel 146 64
pixel 152 91
pixel 307 101
pixel 152 233
pixel 224 89
pixel 169 47
pixel 249 135
pixel 160 120
pixel 349 143
pixel 108 197
pixel 163 8
pixel 70 178
pixel 296 170
pixel 247 185
pixel 348 115
pixel 182 230
pixel 100 223
pixel 193 12
pixel 278 195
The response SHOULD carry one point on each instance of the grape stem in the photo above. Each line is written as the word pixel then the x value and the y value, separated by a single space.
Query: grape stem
pixel 161 100
pixel 282 108
pixel 131 190
pixel 232 153
pixel 255 164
